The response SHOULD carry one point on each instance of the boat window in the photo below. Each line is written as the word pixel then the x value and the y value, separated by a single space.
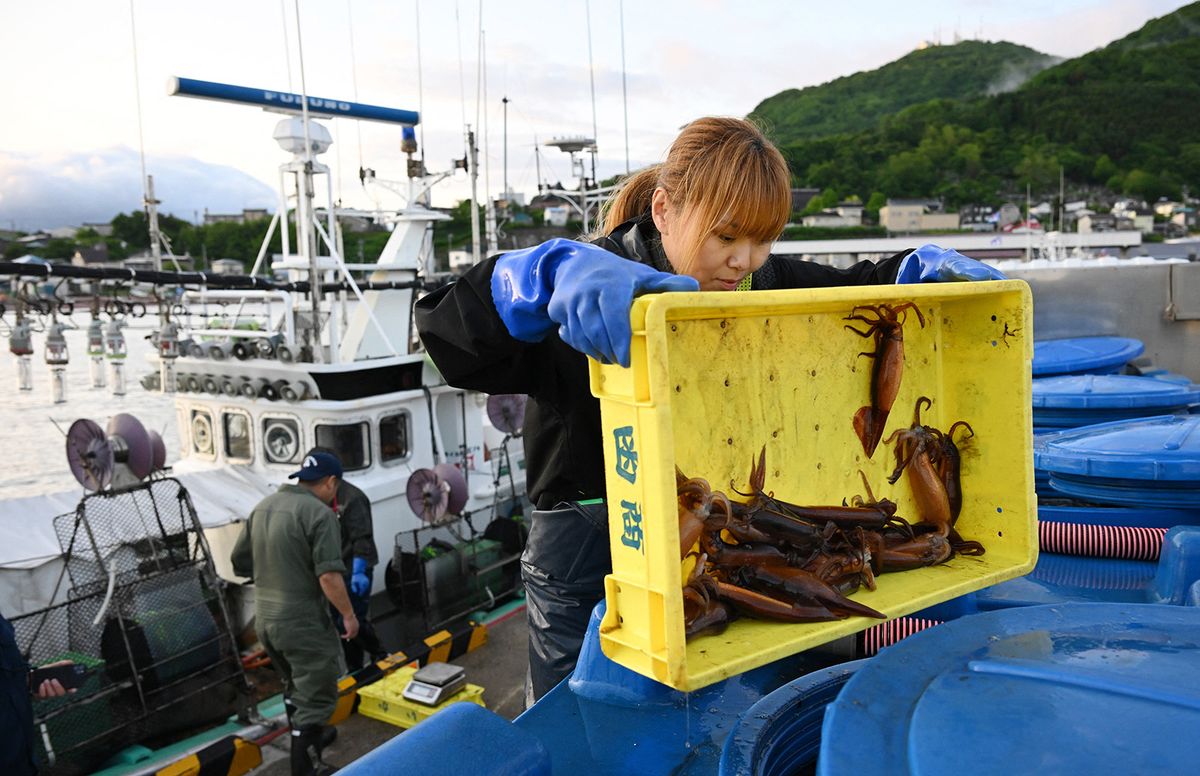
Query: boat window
pixel 202 433
pixel 281 440
pixel 351 442
pixel 393 437
pixel 237 435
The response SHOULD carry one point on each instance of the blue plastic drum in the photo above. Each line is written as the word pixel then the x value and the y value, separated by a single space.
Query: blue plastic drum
pixel 1151 462
pixel 1073 688
pixel 781 734
pixel 1084 355
pixel 1068 401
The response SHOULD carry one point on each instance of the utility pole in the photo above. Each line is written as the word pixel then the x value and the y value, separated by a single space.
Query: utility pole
pixel 152 217
pixel 537 161
pixel 473 161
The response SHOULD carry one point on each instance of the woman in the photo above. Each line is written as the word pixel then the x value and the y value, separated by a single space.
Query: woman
pixel 521 322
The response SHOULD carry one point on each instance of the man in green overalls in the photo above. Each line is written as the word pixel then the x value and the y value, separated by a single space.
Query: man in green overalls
pixel 291 546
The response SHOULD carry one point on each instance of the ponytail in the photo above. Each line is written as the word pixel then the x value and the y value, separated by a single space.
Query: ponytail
pixel 632 199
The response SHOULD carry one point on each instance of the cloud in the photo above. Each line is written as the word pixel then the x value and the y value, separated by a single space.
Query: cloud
pixel 47 189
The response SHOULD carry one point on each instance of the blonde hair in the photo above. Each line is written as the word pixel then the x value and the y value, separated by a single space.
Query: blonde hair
pixel 724 173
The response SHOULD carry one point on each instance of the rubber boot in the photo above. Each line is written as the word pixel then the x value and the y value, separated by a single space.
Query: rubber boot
pixel 306 753
pixel 329 733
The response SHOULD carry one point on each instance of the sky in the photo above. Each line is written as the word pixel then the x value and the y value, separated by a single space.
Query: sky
pixel 69 140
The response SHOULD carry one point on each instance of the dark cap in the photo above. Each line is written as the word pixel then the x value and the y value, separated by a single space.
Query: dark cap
pixel 316 466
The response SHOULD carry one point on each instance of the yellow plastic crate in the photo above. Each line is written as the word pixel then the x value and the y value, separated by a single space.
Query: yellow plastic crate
pixel 384 700
pixel 716 376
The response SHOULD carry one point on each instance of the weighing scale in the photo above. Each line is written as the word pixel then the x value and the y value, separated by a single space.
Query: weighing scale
pixel 435 683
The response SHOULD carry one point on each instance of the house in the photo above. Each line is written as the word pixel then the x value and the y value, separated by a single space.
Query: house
pixel 1098 222
pixel 246 216
pixel 34 240
pixel 1007 215
pixel 845 214
pixel 557 215
pixel 1166 208
pixel 91 256
pixel 460 260
pixel 801 198
pixel 915 215
pixel 227 267
pixel 102 229
pixel 1143 220
pixel 977 218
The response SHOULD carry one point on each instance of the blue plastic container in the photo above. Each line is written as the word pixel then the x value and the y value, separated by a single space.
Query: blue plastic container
pixel 1141 517
pixel 1084 355
pixel 1068 401
pixel 781 734
pixel 1144 462
pixel 1074 688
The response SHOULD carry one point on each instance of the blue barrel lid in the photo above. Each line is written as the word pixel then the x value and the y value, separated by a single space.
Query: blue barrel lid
pixel 1160 448
pixel 1094 514
pixel 1099 688
pixel 1083 354
pixel 1086 392
pixel 1164 494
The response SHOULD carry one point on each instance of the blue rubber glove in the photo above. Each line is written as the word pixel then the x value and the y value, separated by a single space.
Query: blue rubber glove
pixel 934 264
pixel 360 584
pixel 583 289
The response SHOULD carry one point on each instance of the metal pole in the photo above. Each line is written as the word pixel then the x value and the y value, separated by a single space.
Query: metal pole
pixel 624 91
pixel 473 162
pixel 307 217
pixel 537 160
pixel 152 217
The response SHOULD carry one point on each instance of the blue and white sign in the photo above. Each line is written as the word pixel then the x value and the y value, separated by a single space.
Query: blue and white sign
pixel 287 102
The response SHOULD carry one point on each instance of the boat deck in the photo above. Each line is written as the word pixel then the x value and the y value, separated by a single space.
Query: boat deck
pixel 499 667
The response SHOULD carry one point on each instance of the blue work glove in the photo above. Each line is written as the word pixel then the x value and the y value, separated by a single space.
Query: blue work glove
pixel 934 264
pixel 360 583
pixel 583 289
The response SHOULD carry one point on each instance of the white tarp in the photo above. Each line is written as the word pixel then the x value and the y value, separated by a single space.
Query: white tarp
pixel 30 554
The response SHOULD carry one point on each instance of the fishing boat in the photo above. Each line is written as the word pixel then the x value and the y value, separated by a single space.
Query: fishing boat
pixel 307 351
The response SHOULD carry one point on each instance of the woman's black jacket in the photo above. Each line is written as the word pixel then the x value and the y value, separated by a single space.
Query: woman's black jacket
pixel 471 347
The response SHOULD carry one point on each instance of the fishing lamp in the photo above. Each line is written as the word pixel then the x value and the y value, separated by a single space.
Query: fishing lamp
pixel 20 342
pixel 114 343
pixel 168 351
pixel 95 351
pixel 56 345
pixel 57 357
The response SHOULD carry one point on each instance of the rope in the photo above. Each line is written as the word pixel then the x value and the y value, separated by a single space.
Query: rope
pixel 287 48
pixel 587 9
pixel 354 83
pixel 137 92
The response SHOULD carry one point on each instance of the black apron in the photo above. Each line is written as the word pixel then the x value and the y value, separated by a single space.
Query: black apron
pixel 564 564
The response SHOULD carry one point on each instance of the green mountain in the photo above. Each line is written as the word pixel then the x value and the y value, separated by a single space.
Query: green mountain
pixel 1121 118
pixel 856 102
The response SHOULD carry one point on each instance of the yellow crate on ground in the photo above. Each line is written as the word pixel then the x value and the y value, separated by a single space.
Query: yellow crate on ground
pixel 384 700
pixel 715 377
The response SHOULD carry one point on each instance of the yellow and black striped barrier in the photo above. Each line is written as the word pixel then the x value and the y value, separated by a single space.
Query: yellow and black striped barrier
pixel 440 647
pixel 228 756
